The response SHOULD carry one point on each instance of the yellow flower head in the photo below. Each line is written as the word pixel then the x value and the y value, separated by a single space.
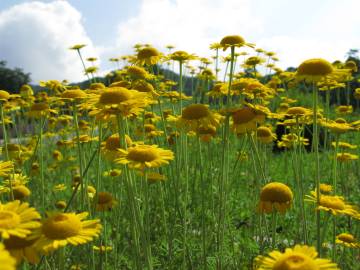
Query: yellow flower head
pixel 314 69
pixel 61 229
pixel 196 115
pixel 297 258
pixel 144 156
pixel 275 196
pixel 333 204
pixel 17 219
pixel 77 46
pixel 342 157
pixel 347 240
pixel 149 56
pixel 234 41
pixel 265 135
pixel 181 56
pixel 22 249
pixel 105 201
pixel 6 261
pixel 343 110
pixel 246 119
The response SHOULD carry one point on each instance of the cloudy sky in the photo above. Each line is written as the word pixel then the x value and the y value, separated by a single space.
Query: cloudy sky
pixel 35 35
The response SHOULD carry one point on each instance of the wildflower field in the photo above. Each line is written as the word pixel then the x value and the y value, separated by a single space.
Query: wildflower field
pixel 164 165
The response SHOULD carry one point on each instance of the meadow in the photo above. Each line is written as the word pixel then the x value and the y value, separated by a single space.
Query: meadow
pixel 251 167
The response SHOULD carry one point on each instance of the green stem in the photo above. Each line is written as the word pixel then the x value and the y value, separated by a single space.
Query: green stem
pixel 317 165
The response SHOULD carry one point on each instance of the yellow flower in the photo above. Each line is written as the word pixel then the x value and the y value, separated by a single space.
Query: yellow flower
pixel 342 157
pixel 110 146
pixel 301 257
pixel 196 115
pixel 4 95
pixel 324 188
pixel 337 127
pixel 38 110
pixel 105 201
pixel 22 249
pixel 5 168
pixel 102 249
pixel 73 95
pixel 254 60
pixel 342 110
pixel 234 41
pixel 149 56
pixel 60 205
pixel 206 133
pixel 348 240
pixel 17 219
pixel 61 229
pixel 344 145
pixel 265 135
pixel 298 111
pixel 77 46
pixel 246 119
pixel 154 177
pixel 357 93
pixel 21 192
pixel 333 204
pixel 59 187
pixel 136 72
pixel 181 56
pixel 118 100
pixel 144 156
pixel 291 139
pixel 275 196
pixel 6 261
pixel 112 173
pixel 314 69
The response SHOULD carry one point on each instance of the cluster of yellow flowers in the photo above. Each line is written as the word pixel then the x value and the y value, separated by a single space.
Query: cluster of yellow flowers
pixel 136 121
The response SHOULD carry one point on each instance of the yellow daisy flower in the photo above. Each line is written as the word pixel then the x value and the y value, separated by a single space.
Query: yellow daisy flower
pixel 275 196
pixel 22 249
pixel 6 261
pixel 336 205
pixel 144 156
pixel 5 168
pixel 300 257
pixel 105 201
pixel 17 219
pixel 347 240
pixel 234 41
pixel 246 119
pixel 343 157
pixel 196 115
pixel 61 229
pixel 149 56
pixel 265 135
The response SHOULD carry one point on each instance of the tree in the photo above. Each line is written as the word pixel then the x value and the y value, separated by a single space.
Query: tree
pixel 352 53
pixel 12 79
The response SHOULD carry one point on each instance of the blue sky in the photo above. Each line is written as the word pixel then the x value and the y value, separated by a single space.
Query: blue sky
pixel 35 35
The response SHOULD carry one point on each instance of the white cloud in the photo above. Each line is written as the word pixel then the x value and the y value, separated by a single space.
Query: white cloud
pixel 36 36
pixel 327 31
pixel 187 24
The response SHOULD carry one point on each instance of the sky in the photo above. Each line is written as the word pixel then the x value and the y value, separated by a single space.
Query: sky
pixel 36 35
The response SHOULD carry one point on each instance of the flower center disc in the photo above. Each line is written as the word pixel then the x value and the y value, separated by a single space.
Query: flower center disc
pixel 104 197
pixel 62 226
pixel 195 112
pixel 295 261
pixel 115 96
pixel 112 143
pixel 143 155
pixel 243 115
pixel 8 219
pixel 276 192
